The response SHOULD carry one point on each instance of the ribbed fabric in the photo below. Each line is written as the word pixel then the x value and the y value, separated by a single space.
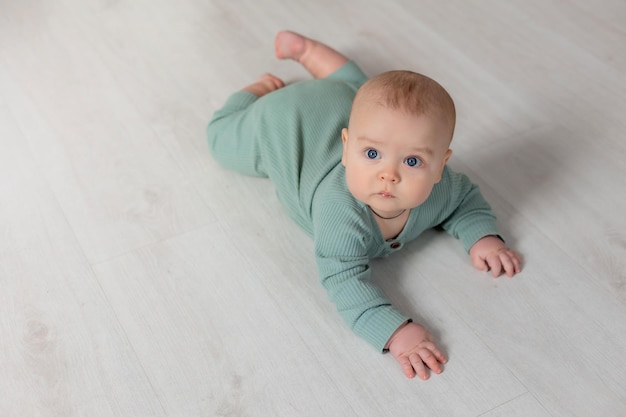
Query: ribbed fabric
pixel 293 136
pixel 347 237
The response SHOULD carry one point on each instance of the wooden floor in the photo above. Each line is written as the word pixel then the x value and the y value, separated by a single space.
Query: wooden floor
pixel 138 278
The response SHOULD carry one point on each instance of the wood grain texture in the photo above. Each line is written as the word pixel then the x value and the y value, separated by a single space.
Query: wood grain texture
pixel 138 278
pixel 63 350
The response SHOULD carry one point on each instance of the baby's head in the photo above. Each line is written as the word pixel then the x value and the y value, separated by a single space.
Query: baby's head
pixel 409 92
pixel 397 141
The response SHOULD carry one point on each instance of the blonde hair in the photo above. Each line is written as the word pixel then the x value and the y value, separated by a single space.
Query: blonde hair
pixel 408 91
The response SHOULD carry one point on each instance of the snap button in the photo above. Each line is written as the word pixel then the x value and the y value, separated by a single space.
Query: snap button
pixel 395 245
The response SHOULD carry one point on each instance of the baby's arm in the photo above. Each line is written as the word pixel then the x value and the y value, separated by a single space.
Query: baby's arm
pixel 344 245
pixel 474 223
pixel 413 347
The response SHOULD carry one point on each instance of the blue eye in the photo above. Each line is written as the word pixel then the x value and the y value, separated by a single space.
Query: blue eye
pixel 371 153
pixel 413 161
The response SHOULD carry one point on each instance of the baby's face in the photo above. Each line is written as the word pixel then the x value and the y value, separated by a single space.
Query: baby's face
pixel 393 159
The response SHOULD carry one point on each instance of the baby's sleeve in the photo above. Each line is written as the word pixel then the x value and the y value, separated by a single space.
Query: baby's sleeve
pixel 471 216
pixel 341 250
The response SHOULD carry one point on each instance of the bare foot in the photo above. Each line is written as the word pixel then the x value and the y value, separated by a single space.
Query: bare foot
pixel 264 85
pixel 319 59
pixel 289 45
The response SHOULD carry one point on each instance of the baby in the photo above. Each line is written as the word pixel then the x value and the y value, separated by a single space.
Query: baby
pixel 360 165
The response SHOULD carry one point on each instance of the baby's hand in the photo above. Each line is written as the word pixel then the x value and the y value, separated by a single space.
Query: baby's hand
pixel 413 348
pixel 490 253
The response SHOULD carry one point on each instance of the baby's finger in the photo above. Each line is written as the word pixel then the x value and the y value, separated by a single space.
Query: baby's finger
pixel 495 265
pixel 480 264
pixel 418 365
pixel 407 367
pixel 517 261
pixel 506 260
pixel 428 357
pixel 441 358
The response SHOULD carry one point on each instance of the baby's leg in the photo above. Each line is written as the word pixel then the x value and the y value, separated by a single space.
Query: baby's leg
pixel 319 59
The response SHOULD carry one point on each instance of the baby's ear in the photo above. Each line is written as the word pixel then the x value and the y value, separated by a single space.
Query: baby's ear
pixel 444 162
pixel 344 140
pixel 344 135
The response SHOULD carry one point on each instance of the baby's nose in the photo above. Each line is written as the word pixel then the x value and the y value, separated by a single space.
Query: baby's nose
pixel 390 175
